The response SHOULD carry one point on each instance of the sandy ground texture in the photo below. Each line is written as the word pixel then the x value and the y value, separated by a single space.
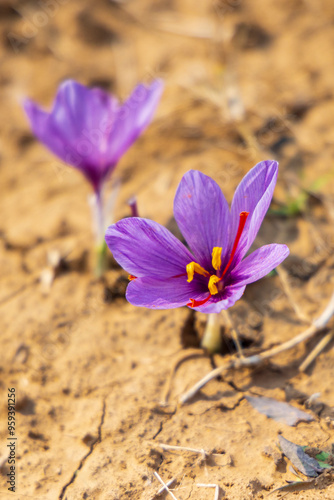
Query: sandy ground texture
pixel 245 81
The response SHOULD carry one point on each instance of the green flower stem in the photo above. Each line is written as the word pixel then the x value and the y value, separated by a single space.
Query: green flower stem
pixel 211 340
pixel 101 256
pixel 101 259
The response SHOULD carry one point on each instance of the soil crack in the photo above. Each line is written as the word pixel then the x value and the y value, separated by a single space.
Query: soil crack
pixel 84 458
pixel 158 431
pixel 191 490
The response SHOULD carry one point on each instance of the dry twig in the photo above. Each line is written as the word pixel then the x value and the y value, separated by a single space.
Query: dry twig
pixel 190 353
pixel 283 276
pixel 168 447
pixel 234 332
pixel 317 325
pixel 169 483
pixel 316 351
pixel 210 486
pixel 164 485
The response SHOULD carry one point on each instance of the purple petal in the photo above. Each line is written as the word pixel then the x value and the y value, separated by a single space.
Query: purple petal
pixel 215 305
pixel 83 117
pixel 176 292
pixel 134 116
pixel 42 128
pixel 202 215
pixel 84 111
pixel 253 195
pixel 259 263
pixel 88 130
pixel 76 130
pixel 145 248
pixel 157 293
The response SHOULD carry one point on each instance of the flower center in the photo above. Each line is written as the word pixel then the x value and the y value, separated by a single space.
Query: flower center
pixel 215 284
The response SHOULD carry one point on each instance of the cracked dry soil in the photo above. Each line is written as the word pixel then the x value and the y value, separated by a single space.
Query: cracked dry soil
pixel 90 369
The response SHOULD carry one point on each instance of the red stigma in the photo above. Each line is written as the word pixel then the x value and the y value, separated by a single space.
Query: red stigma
pixel 131 277
pixel 242 221
pixel 196 303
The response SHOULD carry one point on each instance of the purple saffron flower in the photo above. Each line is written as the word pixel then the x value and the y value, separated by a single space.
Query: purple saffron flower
pixel 89 129
pixel 165 274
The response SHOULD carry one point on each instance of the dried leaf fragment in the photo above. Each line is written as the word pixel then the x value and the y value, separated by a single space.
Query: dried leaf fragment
pixel 281 412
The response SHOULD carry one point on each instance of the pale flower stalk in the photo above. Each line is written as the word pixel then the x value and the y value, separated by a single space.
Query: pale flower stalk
pixel 211 340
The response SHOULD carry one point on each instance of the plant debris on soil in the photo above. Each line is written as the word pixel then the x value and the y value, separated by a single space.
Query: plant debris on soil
pixel 281 412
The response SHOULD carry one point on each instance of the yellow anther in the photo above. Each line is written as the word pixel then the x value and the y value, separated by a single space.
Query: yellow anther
pixel 217 258
pixel 212 284
pixel 193 268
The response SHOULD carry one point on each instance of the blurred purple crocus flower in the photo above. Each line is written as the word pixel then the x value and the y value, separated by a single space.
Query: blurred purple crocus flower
pixel 214 274
pixel 88 128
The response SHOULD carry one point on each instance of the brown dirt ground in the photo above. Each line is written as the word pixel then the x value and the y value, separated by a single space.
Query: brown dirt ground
pixel 244 81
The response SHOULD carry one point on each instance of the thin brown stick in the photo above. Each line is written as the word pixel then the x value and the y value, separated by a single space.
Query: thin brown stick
pixel 252 143
pixel 283 276
pixel 234 332
pixel 169 447
pixel 317 325
pixel 316 351
pixel 190 353
pixel 193 28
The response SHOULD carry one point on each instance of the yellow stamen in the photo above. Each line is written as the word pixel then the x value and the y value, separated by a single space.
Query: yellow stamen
pixel 212 284
pixel 217 258
pixel 193 268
